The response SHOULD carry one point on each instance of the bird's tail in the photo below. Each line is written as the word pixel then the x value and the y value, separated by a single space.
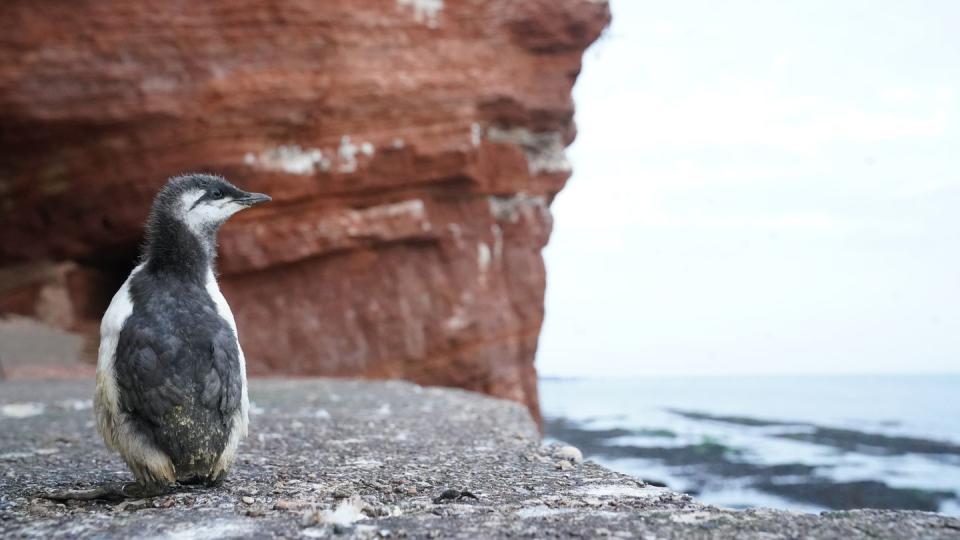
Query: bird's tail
pixel 194 437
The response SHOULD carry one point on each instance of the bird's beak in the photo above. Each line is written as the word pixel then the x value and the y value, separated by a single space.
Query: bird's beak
pixel 250 199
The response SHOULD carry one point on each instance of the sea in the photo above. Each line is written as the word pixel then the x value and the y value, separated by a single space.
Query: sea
pixel 801 443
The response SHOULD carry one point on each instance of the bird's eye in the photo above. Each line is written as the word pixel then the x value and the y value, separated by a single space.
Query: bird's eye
pixel 216 194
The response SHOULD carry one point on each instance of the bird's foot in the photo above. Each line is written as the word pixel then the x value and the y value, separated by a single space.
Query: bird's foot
pixel 216 481
pixel 205 481
pixel 134 490
pixel 108 492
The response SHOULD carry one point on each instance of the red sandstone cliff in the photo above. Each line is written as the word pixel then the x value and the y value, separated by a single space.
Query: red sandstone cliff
pixel 412 148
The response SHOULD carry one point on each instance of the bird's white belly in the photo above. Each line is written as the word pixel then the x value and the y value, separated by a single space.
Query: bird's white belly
pixel 241 421
pixel 107 397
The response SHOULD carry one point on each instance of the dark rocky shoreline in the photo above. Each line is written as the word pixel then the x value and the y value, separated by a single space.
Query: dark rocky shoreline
pixel 842 439
pixel 798 482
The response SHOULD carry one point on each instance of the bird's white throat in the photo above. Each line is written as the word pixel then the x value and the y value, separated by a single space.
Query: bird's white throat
pixel 207 215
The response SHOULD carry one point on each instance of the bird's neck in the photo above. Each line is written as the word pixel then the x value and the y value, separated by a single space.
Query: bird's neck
pixel 173 248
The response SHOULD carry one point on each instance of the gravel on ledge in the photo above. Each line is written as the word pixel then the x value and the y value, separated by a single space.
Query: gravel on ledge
pixel 362 459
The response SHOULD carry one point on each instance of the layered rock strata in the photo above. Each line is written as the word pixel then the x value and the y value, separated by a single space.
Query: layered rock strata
pixel 412 148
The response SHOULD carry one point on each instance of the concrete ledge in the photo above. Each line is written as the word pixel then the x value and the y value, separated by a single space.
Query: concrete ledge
pixel 370 459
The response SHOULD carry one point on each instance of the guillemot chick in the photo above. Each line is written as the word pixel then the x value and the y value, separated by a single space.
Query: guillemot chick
pixel 171 392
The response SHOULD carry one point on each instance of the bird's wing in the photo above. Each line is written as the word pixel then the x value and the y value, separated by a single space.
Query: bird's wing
pixel 223 381
pixel 146 366
pixel 159 369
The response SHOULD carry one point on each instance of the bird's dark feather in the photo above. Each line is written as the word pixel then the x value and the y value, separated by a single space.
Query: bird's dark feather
pixel 178 368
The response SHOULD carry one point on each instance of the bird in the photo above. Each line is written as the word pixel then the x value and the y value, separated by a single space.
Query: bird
pixel 171 389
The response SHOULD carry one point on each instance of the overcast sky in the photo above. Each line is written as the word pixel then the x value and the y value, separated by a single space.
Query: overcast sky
pixel 762 187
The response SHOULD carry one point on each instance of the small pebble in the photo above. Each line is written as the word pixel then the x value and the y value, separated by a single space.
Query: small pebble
pixel 247 499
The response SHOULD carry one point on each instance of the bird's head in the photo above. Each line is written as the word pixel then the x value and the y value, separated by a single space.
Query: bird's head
pixel 203 202
pixel 195 205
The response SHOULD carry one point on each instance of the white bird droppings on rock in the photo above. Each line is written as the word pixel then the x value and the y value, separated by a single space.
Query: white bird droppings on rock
pixel 13 456
pixel 347 154
pixel 289 159
pixel 76 404
pixel 692 517
pixel 521 205
pixel 347 512
pixel 210 530
pixel 424 11
pixel 483 257
pixel 476 134
pixel 541 511
pixel 545 151
pixel 366 463
pixel 613 490
pixel 569 453
pixel 21 410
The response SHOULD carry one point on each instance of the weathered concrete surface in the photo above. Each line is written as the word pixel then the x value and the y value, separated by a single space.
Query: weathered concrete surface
pixel 380 452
